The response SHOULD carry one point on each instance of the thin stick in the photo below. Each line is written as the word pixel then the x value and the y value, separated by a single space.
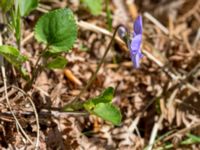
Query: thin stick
pixel 184 130
pixel 196 40
pixel 160 64
pixel 156 22
pixel 36 116
pixel 42 10
pixel 37 123
pixel 86 26
pixel 8 103
pixel 27 38
pixel 154 132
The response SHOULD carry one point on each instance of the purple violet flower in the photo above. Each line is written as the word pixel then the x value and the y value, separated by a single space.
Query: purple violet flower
pixel 135 44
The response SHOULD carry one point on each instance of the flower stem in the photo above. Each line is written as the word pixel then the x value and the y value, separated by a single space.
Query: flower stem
pixel 92 78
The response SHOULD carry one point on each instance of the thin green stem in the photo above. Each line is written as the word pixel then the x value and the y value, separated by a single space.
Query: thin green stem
pixel 108 16
pixel 95 73
pixel 18 39
pixel 18 27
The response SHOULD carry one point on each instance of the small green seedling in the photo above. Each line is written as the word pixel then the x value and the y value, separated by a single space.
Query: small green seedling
pixel 102 106
pixel 94 6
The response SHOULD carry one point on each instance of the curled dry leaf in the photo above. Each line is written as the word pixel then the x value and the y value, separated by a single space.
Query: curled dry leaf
pixel 72 77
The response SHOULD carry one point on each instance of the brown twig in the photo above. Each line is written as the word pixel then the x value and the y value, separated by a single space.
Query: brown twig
pixel 36 116
pixel 184 130
pixel 9 106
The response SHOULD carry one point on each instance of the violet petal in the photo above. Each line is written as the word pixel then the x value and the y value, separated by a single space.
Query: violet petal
pixel 135 43
pixel 137 28
pixel 136 60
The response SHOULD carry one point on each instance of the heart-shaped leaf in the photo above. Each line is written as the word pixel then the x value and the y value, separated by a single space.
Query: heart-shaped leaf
pixel 26 6
pixel 108 112
pixel 12 55
pixel 57 29
pixel 57 63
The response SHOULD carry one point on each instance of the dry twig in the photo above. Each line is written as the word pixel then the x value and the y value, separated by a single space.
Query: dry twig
pixel 36 117
pixel 8 103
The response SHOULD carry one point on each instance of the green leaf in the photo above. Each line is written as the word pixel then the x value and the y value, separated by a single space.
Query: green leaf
pixel 18 26
pixel 57 29
pixel 6 5
pixel 105 97
pixel 108 112
pixel 57 63
pixel 108 15
pixel 194 137
pixel 95 6
pixel 102 107
pixel 26 6
pixel 12 55
pixel 191 139
pixel 15 23
pixel 107 94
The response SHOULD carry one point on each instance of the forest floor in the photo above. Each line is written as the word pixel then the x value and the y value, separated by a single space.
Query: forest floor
pixel 159 102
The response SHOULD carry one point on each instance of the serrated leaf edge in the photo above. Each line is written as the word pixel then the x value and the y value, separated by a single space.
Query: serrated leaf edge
pixel 45 42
